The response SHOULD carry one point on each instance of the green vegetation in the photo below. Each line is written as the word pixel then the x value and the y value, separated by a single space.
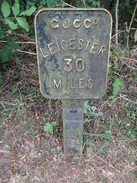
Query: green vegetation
pixel 31 129
pixel 14 19
pixel 90 110
pixel 49 126
pixel 18 15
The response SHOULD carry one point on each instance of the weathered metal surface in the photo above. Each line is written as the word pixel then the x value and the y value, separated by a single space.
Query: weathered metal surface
pixel 72 51
pixel 73 126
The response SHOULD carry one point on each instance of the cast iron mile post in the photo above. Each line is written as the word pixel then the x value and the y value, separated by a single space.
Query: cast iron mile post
pixel 72 52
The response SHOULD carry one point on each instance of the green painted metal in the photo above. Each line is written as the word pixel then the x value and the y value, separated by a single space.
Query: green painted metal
pixel 73 51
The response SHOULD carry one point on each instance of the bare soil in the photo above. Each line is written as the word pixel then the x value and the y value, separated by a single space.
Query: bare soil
pixel 30 155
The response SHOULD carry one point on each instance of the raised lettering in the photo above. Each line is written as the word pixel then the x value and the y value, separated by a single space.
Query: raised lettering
pixel 87 45
pixel 102 50
pixel 57 46
pixel 63 42
pixel 45 56
pixel 54 24
pixel 76 23
pixel 95 21
pixel 57 84
pixel 68 66
pixel 80 42
pixel 93 49
pixel 90 83
pixel 80 65
pixel 66 26
pixel 51 48
pixel 71 84
pixel 87 23
pixel 81 82
pixel 72 44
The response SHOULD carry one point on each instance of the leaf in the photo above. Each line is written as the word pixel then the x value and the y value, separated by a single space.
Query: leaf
pixel 3 56
pixel 135 78
pixel 5 8
pixel 116 86
pixel 135 36
pixel 93 109
pixel 15 8
pixel 0 78
pixel 114 101
pixel 86 107
pixel 48 128
pixel 53 3
pixel 4 53
pixel 98 114
pixel 12 44
pixel 11 24
pixel 50 3
pixel 29 12
pixel 23 23
pixel 129 133
pixel 112 70
pixel 53 124
pixel 88 151
pixel 14 90
pixel 1 34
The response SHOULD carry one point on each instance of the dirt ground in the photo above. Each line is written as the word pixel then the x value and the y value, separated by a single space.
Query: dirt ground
pixel 30 155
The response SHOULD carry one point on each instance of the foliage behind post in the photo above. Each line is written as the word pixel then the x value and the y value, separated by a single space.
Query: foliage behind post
pixel 16 15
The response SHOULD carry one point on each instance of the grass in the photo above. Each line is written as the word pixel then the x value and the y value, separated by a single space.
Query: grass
pixel 105 137
pixel 29 154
